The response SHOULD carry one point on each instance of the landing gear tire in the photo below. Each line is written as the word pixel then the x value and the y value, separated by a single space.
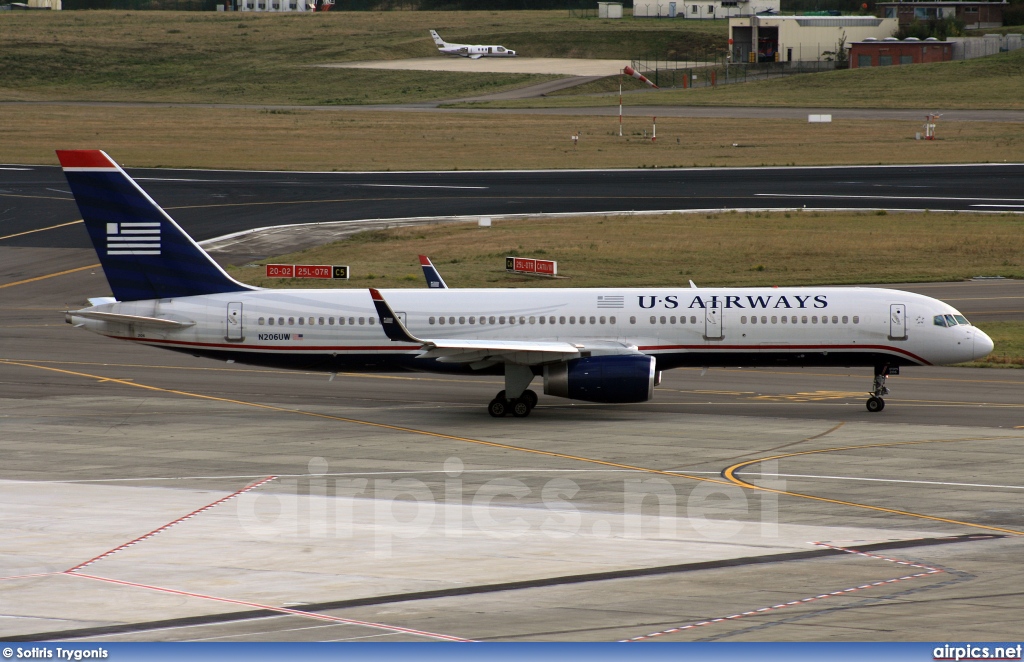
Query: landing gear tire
pixel 530 398
pixel 520 408
pixel 498 407
pixel 875 404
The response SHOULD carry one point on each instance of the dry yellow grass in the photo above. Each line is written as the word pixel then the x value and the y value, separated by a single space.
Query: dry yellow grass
pixel 780 248
pixel 366 140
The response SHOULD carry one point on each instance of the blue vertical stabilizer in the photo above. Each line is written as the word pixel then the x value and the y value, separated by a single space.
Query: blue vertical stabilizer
pixel 144 253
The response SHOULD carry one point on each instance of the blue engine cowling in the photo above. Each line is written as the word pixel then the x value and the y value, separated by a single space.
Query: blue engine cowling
pixel 603 379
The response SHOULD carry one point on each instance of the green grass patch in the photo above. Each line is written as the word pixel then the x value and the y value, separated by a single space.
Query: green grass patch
pixel 721 249
pixel 1009 341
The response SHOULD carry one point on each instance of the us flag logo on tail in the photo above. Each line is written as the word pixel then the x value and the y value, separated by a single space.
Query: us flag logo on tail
pixel 133 238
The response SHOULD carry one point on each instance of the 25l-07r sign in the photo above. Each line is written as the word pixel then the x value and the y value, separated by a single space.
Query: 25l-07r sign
pixel 307 271
pixel 524 265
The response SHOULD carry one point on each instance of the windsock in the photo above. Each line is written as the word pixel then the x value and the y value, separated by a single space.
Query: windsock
pixel 630 71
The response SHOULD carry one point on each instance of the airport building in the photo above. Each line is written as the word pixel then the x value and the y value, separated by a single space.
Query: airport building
pixel 973 14
pixel 801 38
pixel 706 9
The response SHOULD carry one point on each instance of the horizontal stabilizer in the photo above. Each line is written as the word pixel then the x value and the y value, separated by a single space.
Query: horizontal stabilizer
pixel 138 320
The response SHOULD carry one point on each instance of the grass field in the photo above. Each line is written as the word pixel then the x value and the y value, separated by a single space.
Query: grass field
pixel 264 58
pixel 722 249
pixel 985 83
pixel 254 58
pixel 728 249
pixel 365 140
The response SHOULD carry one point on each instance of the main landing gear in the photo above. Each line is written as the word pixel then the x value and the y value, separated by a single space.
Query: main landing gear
pixel 878 388
pixel 523 400
pixel 519 407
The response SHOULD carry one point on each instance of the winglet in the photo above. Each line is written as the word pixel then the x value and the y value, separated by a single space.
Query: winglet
pixel 430 272
pixel 390 322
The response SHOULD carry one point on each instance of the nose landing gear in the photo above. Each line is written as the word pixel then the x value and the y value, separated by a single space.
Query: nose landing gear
pixel 878 388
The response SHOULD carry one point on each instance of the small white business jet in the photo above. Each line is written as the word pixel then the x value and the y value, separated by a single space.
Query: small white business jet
pixel 473 52
pixel 604 345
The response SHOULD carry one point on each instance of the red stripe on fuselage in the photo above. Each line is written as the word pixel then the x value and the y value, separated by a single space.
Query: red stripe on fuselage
pixel 298 347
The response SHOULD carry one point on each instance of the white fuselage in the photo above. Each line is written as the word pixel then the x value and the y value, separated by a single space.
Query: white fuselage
pixel 338 329
pixel 476 51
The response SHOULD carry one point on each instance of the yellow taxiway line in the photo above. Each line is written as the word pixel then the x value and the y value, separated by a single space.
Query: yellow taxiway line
pixel 37 278
pixel 729 473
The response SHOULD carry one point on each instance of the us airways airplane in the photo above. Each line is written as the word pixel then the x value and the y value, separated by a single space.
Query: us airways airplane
pixel 473 52
pixel 605 345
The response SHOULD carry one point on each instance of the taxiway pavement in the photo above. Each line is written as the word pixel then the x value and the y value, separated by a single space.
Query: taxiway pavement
pixel 149 495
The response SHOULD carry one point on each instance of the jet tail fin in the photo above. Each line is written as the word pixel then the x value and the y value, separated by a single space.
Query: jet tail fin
pixel 144 253
pixel 430 272
pixel 437 39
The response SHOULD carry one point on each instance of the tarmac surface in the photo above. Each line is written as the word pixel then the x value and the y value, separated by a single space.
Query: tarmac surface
pixel 149 495
pixel 37 210
pixel 392 506
pixel 495 65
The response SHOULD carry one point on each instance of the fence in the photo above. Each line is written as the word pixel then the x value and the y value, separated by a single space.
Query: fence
pixel 968 48
pixel 144 5
pixel 716 69
pixel 346 5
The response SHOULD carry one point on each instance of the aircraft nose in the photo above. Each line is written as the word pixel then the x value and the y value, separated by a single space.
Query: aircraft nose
pixel 983 345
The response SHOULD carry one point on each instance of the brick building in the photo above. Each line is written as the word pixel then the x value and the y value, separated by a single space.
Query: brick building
pixel 874 53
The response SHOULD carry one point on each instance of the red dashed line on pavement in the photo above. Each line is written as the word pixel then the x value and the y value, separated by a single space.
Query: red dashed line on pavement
pixel 163 528
pixel 282 610
pixel 928 570
pixel 36 574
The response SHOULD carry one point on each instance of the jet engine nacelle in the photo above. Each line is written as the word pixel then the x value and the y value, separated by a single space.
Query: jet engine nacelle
pixel 629 378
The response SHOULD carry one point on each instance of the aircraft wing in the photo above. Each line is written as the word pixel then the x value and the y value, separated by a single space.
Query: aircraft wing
pixel 494 351
pixel 486 352
pixel 139 320
pixel 476 57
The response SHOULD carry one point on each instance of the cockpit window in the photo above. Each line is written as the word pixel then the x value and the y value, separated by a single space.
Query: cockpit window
pixel 961 319
pixel 950 320
pixel 940 320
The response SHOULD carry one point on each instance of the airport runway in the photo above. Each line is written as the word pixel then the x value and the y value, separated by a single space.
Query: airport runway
pixel 148 495
pixel 214 203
